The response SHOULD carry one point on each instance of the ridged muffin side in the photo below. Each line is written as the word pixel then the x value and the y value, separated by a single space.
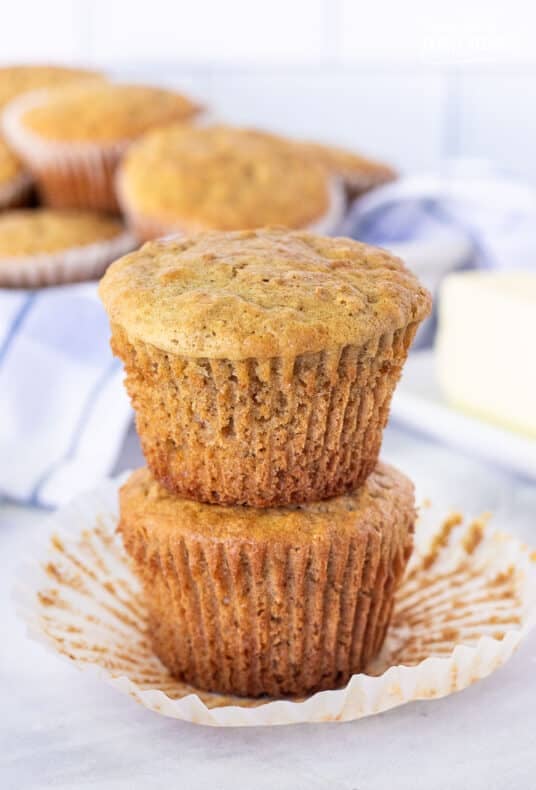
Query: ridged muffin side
pixel 278 602
pixel 263 432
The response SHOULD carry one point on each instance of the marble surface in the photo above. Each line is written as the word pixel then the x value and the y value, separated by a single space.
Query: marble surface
pixel 62 729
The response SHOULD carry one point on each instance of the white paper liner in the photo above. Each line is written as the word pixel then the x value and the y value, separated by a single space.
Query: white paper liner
pixel 468 599
pixel 70 174
pixel 16 192
pixel 146 228
pixel 65 266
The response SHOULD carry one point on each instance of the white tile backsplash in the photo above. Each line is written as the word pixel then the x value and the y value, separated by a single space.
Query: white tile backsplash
pixel 497 120
pixel 33 31
pixel 408 82
pixel 395 116
pixel 207 30
pixel 457 32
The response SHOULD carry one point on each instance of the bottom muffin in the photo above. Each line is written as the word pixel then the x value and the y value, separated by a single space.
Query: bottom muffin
pixel 280 601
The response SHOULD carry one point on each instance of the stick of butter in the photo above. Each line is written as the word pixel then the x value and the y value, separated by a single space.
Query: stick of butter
pixel 486 346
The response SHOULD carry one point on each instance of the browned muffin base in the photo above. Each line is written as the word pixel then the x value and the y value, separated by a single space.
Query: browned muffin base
pixel 252 614
pixel 263 432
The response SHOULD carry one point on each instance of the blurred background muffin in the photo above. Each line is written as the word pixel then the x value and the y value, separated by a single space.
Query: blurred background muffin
pixel 358 173
pixel 187 179
pixel 15 80
pixel 53 246
pixel 72 138
pixel 18 79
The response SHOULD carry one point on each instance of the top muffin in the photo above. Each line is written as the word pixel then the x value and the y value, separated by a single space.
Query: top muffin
pixel 104 112
pixel 261 293
pixel 15 80
pixel 221 177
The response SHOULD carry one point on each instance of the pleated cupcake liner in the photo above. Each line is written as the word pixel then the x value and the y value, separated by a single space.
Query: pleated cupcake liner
pixel 467 600
pixel 76 264
pixel 147 228
pixel 68 174
pixel 16 193
pixel 265 432
pixel 279 616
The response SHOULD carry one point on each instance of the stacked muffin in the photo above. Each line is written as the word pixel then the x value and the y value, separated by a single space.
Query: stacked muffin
pixel 268 538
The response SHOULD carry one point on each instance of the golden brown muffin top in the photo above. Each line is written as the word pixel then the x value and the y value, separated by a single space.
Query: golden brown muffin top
pixel 356 170
pixel 262 293
pixel 10 166
pixel 224 178
pixel 376 505
pixel 15 80
pixel 105 112
pixel 42 231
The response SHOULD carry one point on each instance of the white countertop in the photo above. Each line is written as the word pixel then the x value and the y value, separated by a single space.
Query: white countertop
pixel 62 729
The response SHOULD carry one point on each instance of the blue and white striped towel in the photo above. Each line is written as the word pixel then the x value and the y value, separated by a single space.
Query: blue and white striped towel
pixel 63 409
pixel 465 198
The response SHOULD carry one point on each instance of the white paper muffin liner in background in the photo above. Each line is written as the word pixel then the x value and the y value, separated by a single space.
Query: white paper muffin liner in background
pixel 69 174
pixel 468 599
pixel 65 266
pixel 16 192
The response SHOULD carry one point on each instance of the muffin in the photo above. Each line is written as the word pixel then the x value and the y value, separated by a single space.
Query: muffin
pixel 283 601
pixel 15 188
pixel 72 138
pixel 261 364
pixel 15 183
pixel 15 80
pixel 185 180
pixel 358 173
pixel 53 246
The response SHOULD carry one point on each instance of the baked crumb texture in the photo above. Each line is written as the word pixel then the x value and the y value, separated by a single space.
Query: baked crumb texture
pixel 278 602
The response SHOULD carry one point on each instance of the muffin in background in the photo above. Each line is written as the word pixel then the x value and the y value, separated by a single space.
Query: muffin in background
pixel 15 183
pixel 187 179
pixel 52 246
pixel 72 138
pixel 358 173
pixel 282 601
pixel 15 187
pixel 18 79
pixel 261 364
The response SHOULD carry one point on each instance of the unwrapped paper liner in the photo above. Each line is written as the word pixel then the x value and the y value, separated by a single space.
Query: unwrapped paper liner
pixel 467 601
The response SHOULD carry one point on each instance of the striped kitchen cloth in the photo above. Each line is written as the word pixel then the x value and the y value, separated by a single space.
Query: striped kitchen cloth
pixel 63 410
